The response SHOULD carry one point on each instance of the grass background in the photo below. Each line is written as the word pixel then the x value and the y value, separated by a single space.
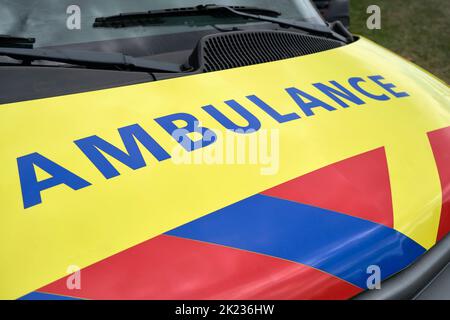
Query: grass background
pixel 418 30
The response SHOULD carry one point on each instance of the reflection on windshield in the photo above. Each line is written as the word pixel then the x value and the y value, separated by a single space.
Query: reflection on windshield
pixel 48 20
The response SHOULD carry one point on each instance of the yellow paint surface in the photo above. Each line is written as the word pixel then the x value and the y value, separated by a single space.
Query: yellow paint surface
pixel 82 227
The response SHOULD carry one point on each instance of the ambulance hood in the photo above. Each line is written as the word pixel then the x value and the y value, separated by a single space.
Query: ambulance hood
pixel 142 189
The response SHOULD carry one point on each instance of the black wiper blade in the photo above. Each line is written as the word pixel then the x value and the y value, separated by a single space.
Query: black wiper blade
pixel 130 19
pixel 16 42
pixel 124 20
pixel 99 60
pixel 304 26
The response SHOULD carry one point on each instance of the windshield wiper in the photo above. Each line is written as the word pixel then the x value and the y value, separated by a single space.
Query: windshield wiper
pixel 129 19
pixel 98 60
pixel 124 20
pixel 16 42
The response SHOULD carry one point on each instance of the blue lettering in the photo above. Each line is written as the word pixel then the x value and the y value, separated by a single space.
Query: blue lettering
pixel 354 82
pixel 31 188
pixel 253 122
pixel 133 158
pixel 307 107
pixel 281 118
pixel 388 87
pixel 341 91
pixel 180 134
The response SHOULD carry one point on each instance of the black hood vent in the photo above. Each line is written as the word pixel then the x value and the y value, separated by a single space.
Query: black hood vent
pixel 228 50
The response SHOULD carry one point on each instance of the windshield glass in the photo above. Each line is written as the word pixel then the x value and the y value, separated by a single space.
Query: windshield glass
pixel 60 22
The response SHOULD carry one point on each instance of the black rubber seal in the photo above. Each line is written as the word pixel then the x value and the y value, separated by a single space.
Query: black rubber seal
pixel 406 284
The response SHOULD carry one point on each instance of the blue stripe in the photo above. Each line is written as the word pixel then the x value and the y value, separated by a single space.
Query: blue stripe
pixel 336 243
pixel 45 296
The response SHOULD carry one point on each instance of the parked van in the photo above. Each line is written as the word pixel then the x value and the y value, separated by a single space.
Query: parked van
pixel 237 150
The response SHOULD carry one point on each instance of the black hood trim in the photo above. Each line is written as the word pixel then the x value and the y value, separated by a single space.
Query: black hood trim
pixel 410 283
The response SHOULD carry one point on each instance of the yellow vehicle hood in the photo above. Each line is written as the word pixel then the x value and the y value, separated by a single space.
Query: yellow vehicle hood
pixel 358 179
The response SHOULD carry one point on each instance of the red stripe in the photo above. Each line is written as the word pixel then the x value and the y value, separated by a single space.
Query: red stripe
pixel 168 267
pixel 440 143
pixel 358 186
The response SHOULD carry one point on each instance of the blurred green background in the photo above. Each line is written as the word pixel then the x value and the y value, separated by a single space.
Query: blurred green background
pixel 418 30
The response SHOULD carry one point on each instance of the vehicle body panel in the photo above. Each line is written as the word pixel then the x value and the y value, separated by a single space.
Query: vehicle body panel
pixel 83 227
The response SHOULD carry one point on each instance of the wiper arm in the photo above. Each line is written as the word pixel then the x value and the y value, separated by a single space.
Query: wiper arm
pixel 154 17
pixel 304 26
pixel 16 42
pixel 129 19
pixel 99 60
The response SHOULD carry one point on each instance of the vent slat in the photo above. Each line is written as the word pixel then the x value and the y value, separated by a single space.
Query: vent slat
pixel 243 48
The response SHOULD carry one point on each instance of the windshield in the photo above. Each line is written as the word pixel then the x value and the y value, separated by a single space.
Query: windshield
pixel 61 22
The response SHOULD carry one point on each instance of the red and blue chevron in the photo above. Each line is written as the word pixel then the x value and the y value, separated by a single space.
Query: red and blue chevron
pixel 310 238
